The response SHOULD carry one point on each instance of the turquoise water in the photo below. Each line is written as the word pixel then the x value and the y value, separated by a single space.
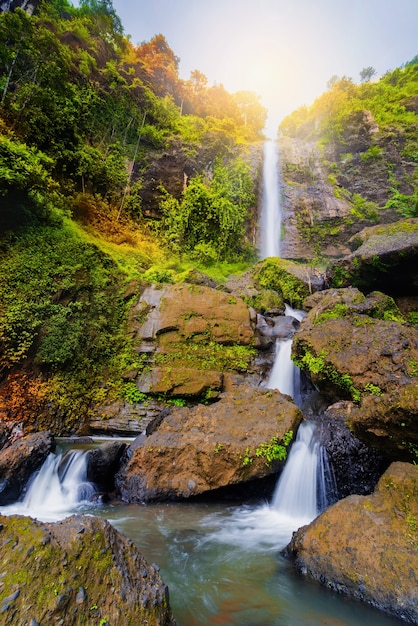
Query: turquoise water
pixel 223 566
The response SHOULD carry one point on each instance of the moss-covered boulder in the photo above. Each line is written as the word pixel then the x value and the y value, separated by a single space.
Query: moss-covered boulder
pixel 189 335
pixel 353 348
pixel 384 257
pixel 291 281
pixel 366 547
pixel 197 450
pixel 78 571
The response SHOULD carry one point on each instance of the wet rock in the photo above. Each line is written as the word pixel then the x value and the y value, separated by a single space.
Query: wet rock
pixel 124 419
pixel 366 547
pixel 356 467
pixel 350 354
pixel 201 449
pixel 95 553
pixel 19 461
pixel 384 257
pixel 103 463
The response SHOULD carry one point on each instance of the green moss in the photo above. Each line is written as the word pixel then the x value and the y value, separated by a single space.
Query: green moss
pixel 207 356
pixel 338 311
pixel 321 370
pixel 273 274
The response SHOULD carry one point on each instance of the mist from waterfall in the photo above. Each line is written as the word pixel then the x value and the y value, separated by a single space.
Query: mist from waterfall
pixel 271 217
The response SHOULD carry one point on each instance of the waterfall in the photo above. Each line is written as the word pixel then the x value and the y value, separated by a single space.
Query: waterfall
pixel 306 485
pixel 283 370
pixel 285 376
pixel 57 488
pixel 270 207
pixel 296 491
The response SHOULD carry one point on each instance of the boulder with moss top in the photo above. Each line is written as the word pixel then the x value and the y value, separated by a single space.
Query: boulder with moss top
pixel 350 352
pixel 366 547
pixel 78 571
pixel 197 450
pixel 189 335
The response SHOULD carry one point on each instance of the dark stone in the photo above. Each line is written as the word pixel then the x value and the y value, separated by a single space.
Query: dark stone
pixel 103 463
pixel 356 467
pixel 19 461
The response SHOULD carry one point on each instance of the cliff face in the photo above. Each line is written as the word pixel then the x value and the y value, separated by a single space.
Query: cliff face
pixel 26 5
pixel 335 188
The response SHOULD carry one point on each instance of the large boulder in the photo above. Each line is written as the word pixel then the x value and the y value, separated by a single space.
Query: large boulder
pixel 198 450
pixel 384 257
pixel 103 463
pixel 350 354
pixel 19 461
pixel 190 334
pixel 366 547
pixel 77 571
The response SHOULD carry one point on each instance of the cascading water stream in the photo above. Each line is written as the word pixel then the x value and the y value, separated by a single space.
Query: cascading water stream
pixel 271 219
pixel 285 376
pixel 58 488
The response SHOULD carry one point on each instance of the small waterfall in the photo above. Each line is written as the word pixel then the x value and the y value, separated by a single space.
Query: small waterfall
pixel 296 492
pixel 60 485
pixel 270 209
pixel 283 371
pixel 285 376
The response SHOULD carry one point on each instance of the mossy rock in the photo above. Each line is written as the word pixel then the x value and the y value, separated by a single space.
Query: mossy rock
pixel 78 571
pixel 289 280
pixel 366 547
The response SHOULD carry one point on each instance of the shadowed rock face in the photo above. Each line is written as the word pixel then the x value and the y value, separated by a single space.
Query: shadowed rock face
pixel 384 257
pixel 366 547
pixel 77 571
pixel 19 460
pixel 201 449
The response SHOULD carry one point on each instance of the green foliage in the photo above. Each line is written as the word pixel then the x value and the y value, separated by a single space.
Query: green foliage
pixel 403 204
pixel 209 221
pixel 208 355
pixel 26 185
pixel 372 153
pixel 374 390
pixel 318 366
pixel 159 275
pixel 338 311
pixel 132 394
pixel 274 450
pixel 58 301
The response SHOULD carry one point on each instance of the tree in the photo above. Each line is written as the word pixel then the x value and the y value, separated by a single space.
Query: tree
pixel 367 74
pixel 332 81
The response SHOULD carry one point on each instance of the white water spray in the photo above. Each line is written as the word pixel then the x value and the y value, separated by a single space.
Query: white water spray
pixel 271 219
pixel 295 495
pixel 57 489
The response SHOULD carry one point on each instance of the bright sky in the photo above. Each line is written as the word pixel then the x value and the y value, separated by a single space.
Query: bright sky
pixel 284 50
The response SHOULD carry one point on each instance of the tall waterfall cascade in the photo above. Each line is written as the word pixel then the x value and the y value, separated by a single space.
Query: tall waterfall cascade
pixel 271 216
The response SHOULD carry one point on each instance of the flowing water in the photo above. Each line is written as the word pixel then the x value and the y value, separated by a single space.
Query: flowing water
pixel 284 375
pixel 222 562
pixel 271 219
